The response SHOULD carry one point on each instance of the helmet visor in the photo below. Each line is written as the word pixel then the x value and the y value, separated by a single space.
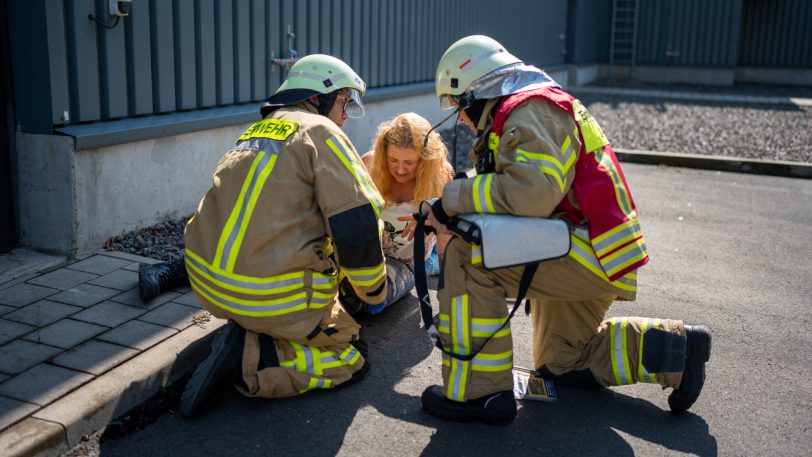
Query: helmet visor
pixel 354 107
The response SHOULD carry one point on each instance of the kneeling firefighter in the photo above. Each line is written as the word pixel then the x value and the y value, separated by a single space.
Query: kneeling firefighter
pixel 290 205
pixel 539 153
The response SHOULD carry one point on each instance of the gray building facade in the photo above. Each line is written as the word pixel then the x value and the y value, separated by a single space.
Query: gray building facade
pixel 115 122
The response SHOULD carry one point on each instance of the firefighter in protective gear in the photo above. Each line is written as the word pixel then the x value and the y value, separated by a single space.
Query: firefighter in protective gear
pixel 539 153
pixel 291 203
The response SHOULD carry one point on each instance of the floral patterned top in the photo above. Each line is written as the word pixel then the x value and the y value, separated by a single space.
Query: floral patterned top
pixel 394 243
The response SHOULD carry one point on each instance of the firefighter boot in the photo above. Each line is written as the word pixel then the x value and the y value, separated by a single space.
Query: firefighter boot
pixel 225 358
pixel 497 408
pixel 697 352
pixel 154 279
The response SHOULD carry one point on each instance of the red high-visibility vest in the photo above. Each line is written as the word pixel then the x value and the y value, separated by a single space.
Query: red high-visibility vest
pixel 600 187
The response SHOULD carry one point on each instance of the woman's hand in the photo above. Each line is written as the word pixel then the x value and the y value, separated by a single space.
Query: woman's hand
pixel 409 230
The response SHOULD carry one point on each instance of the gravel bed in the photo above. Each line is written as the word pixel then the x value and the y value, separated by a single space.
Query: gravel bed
pixel 771 132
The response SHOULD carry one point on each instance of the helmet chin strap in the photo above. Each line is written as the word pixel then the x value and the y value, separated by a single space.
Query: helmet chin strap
pixel 326 102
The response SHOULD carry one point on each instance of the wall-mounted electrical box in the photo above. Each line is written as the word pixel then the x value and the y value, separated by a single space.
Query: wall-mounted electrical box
pixel 120 7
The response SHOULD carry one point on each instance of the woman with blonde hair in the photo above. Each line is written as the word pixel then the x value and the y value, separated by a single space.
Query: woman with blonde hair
pixel 405 172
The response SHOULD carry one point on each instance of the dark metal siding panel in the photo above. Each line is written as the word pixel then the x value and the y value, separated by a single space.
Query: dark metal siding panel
pixel 163 56
pixel 58 62
pixel 776 34
pixel 588 31
pixel 185 54
pixel 139 60
pixel 258 46
pixel 224 48
pixel 113 68
pixel 374 62
pixel 688 32
pixel 205 61
pixel 84 62
pixel 242 51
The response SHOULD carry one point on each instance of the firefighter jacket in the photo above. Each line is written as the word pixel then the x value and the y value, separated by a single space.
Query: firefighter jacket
pixel 553 160
pixel 289 205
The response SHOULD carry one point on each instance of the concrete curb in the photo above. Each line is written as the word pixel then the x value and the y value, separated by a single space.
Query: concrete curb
pixel 61 425
pixel 718 163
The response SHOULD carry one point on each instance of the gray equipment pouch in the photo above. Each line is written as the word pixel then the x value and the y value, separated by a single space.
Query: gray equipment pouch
pixel 508 240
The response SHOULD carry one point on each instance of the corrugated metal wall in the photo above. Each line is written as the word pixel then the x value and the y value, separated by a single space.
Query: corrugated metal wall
pixel 175 55
pixel 588 31
pixel 688 32
pixel 776 33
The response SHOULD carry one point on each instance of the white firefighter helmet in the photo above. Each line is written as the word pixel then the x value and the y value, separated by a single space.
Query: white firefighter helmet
pixel 319 74
pixel 467 60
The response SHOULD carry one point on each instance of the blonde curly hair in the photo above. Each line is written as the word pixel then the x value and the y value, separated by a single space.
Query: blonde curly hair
pixel 409 130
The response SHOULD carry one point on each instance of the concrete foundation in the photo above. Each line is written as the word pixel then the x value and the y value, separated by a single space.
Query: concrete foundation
pixel 72 201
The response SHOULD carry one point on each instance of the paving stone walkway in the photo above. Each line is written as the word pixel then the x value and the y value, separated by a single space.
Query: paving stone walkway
pixel 62 329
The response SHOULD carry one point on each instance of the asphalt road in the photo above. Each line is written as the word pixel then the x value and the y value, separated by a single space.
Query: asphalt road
pixel 731 251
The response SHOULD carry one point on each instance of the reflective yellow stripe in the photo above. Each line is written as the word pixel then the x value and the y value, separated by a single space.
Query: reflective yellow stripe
pixel 481 327
pixel 356 167
pixel 226 249
pixel 548 164
pixel 259 308
pixel 460 344
pixel 582 253
pixel 366 276
pixel 624 257
pixel 618 236
pixel 621 194
pixel 618 351
pixel 482 194
pixel 476 254
pixel 502 361
pixel 268 285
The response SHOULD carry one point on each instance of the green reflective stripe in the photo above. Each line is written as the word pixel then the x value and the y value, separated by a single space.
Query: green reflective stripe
pixel 460 343
pixel 317 383
pixel 482 194
pixel 233 233
pixel 356 167
pixel 275 307
pixel 305 359
pixel 443 323
pixel 547 164
pixel 568 154
pixel 350 355
pixel 493 362
pixel 245 284
pixel 621 194
pixel 618 236
pixel 620 362
pixel 476 254
pixel 483 328
pixel 319 300
pixel 643 374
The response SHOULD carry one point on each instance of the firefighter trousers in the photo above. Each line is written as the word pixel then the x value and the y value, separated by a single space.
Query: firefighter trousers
pixel 570 329
pixel 291 358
